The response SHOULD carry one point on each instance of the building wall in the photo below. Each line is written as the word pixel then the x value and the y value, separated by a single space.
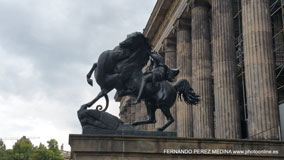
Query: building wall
pixel 238 31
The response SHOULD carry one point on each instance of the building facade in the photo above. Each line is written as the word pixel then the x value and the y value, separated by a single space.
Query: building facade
pixel 232 53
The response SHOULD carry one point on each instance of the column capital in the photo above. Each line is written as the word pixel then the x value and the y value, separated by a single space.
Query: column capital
pixel 182 24
pixel 169 45
pixel 200 3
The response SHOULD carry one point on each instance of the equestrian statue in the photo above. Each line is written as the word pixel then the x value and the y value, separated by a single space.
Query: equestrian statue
pixel 121 69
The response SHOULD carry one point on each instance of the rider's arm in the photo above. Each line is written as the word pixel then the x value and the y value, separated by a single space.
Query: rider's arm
pixel 156 57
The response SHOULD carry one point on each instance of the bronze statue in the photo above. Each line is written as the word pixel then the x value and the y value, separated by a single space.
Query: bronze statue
pixel 157 73
pixel 121 69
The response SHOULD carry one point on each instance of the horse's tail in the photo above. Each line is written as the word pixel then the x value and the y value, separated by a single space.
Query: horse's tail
pixel 184 89
pixel 100 107
pixel 89 80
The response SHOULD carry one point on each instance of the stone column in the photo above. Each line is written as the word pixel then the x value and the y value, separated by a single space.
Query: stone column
pixel 125 109
pixel 224 70
pixel 184 63
pixel 169 46
pixel 129 117
pixel 144 116
pixel 203 124
pixel 263 116
pixel 137 112
pixel 133 111
pixel 122 115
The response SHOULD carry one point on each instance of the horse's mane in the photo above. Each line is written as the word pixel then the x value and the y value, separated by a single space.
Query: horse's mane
pixel 136 41
pixel 137 46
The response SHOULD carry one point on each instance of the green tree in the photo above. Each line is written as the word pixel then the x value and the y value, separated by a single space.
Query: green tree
pixel 9 154
pixel 2 145
pixel 23 149
pixel 42 153
pixel 3 155
pixel 53 146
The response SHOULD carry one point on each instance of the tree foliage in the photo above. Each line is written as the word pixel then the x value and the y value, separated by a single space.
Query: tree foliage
pixel 2 149
pixel 53 146
pixel 2 145
pixel 42 153
pixel 23 149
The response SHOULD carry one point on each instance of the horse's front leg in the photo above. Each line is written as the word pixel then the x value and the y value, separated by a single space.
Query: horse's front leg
pixel 151 109
pixel 167 113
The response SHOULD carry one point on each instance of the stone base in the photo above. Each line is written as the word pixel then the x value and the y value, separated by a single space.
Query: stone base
pixel 95 131
pixel 108 147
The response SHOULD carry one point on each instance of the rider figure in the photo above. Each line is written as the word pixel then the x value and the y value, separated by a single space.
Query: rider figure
pixel 157 74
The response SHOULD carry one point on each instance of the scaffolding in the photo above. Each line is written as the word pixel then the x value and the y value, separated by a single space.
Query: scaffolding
pixel 277 19
pixel 237 17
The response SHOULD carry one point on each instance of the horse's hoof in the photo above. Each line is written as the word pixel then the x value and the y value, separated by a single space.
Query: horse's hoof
pixel 90 82
pixel 134 124
pixel 159 130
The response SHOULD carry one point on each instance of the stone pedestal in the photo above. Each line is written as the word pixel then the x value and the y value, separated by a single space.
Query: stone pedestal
pixel 203 124
pixel 113 147
pixel 224 70
pixel 263 116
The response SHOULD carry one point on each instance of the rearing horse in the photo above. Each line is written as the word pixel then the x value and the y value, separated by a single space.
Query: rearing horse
pixel 116 66
pixel 121 69
pixel 162 95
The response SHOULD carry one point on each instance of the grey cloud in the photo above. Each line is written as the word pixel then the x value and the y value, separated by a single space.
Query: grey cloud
pixel 46 49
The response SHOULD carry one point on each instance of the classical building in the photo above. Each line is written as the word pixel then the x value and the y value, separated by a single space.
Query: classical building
pixel 232 53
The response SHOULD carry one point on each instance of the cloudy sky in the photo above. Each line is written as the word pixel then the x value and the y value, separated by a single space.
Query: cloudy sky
pixel 46 49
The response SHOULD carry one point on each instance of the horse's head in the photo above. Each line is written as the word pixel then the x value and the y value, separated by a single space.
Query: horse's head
pixel 172 73
pixel 134 41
